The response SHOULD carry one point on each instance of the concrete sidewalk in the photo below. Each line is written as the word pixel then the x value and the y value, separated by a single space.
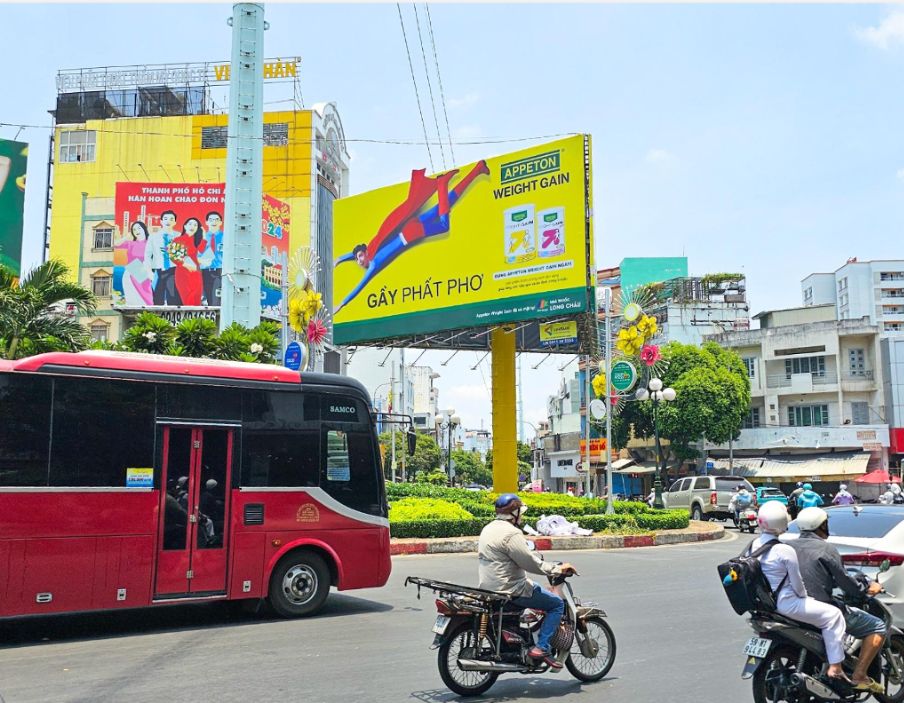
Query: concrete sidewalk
pixel 695 532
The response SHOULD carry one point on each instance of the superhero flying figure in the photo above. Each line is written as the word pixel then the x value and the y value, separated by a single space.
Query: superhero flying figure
pixel 404 227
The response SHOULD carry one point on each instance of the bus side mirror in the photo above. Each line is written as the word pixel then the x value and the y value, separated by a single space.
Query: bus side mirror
pixel 412 442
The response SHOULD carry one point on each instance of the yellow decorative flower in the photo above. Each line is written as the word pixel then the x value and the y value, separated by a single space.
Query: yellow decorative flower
pixel 297 315
pixel 314 303
pixel 599 386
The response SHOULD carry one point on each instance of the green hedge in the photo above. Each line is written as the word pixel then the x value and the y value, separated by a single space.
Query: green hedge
pixel 659 520
pixel 676 519
pixel 426 509
pixel 480 503
pixel 437 528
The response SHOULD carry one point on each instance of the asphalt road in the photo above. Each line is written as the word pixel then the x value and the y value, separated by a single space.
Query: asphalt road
pixel 678 642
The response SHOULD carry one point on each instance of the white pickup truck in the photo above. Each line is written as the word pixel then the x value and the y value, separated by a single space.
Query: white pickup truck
pixel 706 497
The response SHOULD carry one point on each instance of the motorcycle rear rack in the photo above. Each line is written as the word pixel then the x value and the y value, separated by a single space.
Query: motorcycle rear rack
pixel 489 598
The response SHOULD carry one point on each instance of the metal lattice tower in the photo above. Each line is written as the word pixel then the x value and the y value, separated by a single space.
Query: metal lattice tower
pixel 241 283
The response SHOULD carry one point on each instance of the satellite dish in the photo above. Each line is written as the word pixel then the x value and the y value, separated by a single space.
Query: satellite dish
pixel 597 409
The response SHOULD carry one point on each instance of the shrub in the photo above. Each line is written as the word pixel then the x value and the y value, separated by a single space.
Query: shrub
pixel 437 528
pixel 598 523
pixel 677 519
pixel 426 509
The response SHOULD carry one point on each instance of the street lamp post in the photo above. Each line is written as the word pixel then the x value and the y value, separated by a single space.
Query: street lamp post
pixel 655 392
pixel 448 425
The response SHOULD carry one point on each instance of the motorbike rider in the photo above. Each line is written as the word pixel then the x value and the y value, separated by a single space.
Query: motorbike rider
pixel 792 499
pixel 741 500
pixel 892 495
pixel 823 570
pixel 504 558
pixel 809 498
pixel 780 567
pixel 843 497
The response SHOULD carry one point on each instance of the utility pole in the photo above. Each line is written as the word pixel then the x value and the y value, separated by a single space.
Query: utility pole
pixel 607 300
pixel 587 391
pixel 402 403
pixel 241 281
pixel 520 404
pixel 392 423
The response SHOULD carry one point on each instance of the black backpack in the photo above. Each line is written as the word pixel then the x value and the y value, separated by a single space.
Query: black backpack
pixel 747 588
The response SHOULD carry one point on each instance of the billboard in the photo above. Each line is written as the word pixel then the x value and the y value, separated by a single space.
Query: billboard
pixel 13 163
pixel 275 220
pixel 500 240
pixel 168 245
pixel 639 271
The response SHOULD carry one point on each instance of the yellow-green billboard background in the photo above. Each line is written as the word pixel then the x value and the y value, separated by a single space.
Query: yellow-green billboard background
pixel 471 281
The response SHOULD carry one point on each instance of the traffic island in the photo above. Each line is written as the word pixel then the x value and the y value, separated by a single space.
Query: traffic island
pixel 695 532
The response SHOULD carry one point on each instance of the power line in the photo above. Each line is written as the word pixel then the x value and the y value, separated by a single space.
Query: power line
pixel 414 82
pixel 362 140
pixel 439 79
pixel 420 37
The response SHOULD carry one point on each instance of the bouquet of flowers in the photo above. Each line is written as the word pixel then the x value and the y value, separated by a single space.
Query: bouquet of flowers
pixel 177 252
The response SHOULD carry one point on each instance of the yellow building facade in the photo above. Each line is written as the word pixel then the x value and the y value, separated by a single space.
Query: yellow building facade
pixel 305 165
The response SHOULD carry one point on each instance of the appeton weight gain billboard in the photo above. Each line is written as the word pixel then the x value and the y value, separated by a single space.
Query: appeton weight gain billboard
pixel 501 240
pixel 13 163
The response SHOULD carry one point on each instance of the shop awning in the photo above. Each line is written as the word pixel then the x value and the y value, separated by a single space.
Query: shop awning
pixel 620 464
pixel 634 468
pixel 822 466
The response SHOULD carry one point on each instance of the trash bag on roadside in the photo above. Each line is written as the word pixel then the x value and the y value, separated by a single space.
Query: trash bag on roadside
pixel 556 525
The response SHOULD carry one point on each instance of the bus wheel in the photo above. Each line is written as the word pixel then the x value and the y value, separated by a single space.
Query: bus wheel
pixel 299 585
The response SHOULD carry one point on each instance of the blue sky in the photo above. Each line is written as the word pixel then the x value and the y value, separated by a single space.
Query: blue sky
pixel 762 138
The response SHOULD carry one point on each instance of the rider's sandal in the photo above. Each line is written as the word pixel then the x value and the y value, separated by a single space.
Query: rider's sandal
pixel 870 685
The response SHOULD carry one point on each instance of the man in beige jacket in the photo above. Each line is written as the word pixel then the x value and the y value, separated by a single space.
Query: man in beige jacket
pixel 505 557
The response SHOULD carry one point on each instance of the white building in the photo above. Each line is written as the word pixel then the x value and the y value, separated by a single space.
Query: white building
pixel 425 396
pixel 872 289
pixel 380 370
pixel 817 397
pixel 691 308
pixel 479 441
pixel 561 446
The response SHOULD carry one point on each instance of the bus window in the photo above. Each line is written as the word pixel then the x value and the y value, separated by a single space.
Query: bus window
pixel 280 441
pixel 100 429
pixel 279 458
pixel 24 430
pixel 350 470
pixel 192 401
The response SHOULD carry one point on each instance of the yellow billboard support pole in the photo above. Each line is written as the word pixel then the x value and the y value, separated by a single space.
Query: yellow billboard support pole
pixel 505 446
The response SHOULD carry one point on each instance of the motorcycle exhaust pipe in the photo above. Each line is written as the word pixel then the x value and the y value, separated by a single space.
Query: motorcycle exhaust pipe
pixel 477 665
pixel 814 687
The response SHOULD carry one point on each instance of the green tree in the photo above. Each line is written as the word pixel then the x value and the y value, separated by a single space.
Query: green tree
pixel 150 333
pixel 469 468
pixel 426 458
pixel 195 336
pixel 198 338
pixel 712 398
pixel 33 318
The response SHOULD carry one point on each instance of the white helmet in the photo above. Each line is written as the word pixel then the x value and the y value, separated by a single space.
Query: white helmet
pixel 842 487
pixel 810 519
pixel 773 517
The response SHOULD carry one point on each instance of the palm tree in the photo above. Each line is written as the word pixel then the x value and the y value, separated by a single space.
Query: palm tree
pixel 33 315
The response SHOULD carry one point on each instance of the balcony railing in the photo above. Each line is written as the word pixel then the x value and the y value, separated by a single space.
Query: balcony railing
pixel 783 380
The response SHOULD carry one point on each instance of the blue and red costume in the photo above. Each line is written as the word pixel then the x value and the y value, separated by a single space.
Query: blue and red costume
pixel 404 227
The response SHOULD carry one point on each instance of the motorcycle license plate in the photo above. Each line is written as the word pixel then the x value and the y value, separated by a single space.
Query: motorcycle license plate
pixel 442 622
pixel 757 647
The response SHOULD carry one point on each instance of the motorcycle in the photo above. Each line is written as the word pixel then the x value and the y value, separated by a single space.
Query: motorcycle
pixel 481 634
pixel 787 660
pixel 746 519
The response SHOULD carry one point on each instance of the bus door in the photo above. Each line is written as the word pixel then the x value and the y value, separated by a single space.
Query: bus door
pixel 194 511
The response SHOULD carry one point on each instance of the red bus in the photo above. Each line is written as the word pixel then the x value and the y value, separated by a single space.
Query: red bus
pixel 130 480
